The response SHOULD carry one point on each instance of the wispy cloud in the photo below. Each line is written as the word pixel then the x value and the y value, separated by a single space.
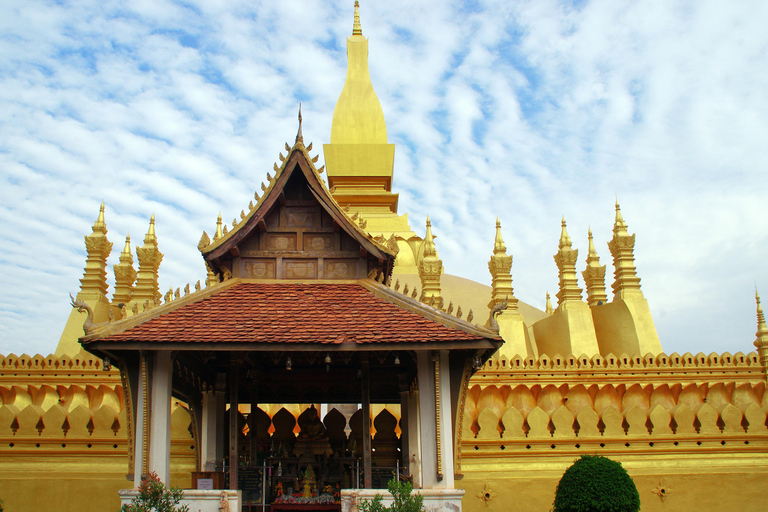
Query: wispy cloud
pixel 529 110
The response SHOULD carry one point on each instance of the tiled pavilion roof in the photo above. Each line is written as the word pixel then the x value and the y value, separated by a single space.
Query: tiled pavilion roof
pixel 296 313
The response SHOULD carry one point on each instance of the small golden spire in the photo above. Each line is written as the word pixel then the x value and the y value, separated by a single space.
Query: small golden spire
pixel 566 264
pixel 548 308
pixel 500 267
pixel 761 341
pixel 430 267
pixel 357 29
pixel 622 247
pixel 594 276
pixel 125 275
pixel 218 228
pixel 93 285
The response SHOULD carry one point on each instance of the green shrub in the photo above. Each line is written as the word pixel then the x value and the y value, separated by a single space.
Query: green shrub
pixel 154 496
pixel 404 501
pixel 596 484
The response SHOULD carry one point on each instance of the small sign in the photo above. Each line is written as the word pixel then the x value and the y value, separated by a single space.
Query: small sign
pixel 205 483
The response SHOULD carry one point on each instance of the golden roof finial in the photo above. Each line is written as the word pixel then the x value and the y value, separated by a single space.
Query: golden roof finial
pixel 592 250
pixel 125 275
pixel 299 136
pixel 548 308
pixel 218 228
pixel 622 247
pixel 357 29
pixel 498 244
pixel 430 268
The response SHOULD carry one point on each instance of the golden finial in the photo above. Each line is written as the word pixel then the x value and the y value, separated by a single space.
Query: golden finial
pixel 548 308
pixel 299 136
pixel 100 225
pixel 357 29
pixel 565 240
pixel 592 250
pixel 429 244
pixel 150 236
pixel 620 226
pixel 126 255
pixel 498 245
pixel 218 227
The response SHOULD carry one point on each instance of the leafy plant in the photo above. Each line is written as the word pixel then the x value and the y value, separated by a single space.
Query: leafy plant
pixel 596 484
pixel 154 496
pixel 404 501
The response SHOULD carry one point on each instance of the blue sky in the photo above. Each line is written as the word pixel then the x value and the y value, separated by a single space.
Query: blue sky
pixel 529 110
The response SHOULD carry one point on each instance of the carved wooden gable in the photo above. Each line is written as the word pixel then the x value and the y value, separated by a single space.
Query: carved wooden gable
pixel 299 233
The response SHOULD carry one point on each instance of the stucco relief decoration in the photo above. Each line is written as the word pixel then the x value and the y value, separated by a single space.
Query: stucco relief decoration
pixel 662 490
pixel 487 494
pixel 280 242
pixel 256 269
pixel 297 219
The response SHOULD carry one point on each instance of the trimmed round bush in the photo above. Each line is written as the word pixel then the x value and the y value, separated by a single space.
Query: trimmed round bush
pixel 596 484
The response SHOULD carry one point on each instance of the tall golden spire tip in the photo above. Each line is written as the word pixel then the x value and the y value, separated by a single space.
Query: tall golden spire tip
pixel 357 29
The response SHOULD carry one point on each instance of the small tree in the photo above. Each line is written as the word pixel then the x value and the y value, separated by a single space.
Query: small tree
pixel 404 501
pixel 596 484
pixel 154 496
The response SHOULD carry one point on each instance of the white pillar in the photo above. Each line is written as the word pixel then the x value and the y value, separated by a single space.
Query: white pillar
pixel 427 420
pixel 160 420
pixel 446 422
pixel 209 431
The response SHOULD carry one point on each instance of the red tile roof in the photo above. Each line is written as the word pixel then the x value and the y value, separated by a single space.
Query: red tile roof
pixel 291 313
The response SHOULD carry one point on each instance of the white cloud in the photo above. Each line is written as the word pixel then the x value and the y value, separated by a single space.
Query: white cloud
pixel 527 110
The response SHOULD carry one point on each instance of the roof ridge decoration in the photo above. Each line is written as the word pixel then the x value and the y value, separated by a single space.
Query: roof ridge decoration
pixel 223 235
pixel 151 309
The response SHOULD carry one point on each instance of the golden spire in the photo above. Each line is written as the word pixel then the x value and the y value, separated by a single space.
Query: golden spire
pixel 566 263
pixel 218 228
pixel 500 267
pixel 594 276
pixel 761 341
pixel 93 285
pixel 125 275
pixel 430 267
pixel 622 247
pixel 548 308
pixel 357 30
pixel 150 257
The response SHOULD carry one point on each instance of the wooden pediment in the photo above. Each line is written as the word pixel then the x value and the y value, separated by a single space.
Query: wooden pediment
pixel 298 232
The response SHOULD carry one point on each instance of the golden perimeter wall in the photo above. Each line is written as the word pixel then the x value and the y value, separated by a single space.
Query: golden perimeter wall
pixel 691 431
